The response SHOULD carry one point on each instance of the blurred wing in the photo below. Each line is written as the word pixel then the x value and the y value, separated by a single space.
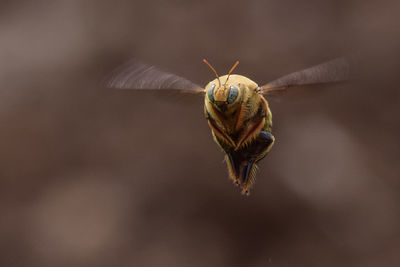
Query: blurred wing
pixel 336 70
pixel 136 75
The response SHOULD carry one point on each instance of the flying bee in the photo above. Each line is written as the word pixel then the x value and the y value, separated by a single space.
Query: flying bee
pixel 235 107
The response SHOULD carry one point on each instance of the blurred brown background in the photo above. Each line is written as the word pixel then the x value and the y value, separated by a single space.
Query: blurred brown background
pixel 95 177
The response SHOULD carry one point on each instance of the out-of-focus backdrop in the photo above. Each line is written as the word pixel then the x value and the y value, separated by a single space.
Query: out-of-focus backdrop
pixel 91 176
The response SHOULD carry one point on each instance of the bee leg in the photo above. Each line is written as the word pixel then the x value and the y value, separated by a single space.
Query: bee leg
pixel 254 153
pixel 265 141
pixel 230 159
pixel 249 172
pixel 232 168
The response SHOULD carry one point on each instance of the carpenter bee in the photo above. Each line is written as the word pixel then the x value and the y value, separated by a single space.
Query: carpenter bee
pixel 235 107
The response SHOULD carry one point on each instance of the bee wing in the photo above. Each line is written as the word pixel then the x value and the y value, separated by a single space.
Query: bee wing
pixel 333 71
pixel 137 75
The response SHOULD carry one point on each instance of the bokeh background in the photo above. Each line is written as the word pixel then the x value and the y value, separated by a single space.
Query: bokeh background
pixel 91 176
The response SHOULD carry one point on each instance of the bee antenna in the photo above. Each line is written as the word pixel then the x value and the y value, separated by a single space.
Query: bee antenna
pixel 211 67
pixel 234 67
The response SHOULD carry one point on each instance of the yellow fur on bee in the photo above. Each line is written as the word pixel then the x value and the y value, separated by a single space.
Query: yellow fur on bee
pixel 238 125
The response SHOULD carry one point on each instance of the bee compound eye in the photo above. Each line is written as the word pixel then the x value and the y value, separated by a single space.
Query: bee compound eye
pixel 233 94
pixel 210 93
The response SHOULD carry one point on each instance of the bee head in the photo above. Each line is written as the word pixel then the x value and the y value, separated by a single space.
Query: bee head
pixel 219 94
pixel 223 95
